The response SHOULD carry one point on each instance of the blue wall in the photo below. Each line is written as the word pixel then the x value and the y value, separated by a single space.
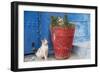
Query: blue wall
pixel 37 27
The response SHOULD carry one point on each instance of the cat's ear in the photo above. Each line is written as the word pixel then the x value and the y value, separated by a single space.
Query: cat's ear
pixel 42 40
pixel 59 17
pixel 46 40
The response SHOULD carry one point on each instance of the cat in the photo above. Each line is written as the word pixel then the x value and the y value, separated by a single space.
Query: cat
pixel 42 52
pixel 60 21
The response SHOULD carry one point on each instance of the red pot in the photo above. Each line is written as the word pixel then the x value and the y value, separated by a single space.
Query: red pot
pixel 62 39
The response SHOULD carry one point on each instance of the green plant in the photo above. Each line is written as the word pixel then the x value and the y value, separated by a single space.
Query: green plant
pixel 54 21
pixel 62 23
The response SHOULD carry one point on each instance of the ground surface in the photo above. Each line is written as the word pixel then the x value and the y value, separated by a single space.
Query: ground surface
pixel 82 51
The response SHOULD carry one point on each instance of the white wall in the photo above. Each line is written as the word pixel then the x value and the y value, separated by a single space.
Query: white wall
pixel 5 35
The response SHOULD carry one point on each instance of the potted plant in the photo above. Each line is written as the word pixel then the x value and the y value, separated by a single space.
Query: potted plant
pixel 62 34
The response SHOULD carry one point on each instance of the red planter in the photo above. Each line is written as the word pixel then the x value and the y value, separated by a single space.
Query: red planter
pixel 62 39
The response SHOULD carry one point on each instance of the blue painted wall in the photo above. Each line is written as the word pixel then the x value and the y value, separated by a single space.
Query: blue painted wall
pixel 37 27
pixel 31 31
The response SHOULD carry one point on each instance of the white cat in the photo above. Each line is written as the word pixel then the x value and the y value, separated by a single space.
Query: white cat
pixel 60 21
pixel 43 50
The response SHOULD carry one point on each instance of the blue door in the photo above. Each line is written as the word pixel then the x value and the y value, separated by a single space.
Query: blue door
pixel 31 31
